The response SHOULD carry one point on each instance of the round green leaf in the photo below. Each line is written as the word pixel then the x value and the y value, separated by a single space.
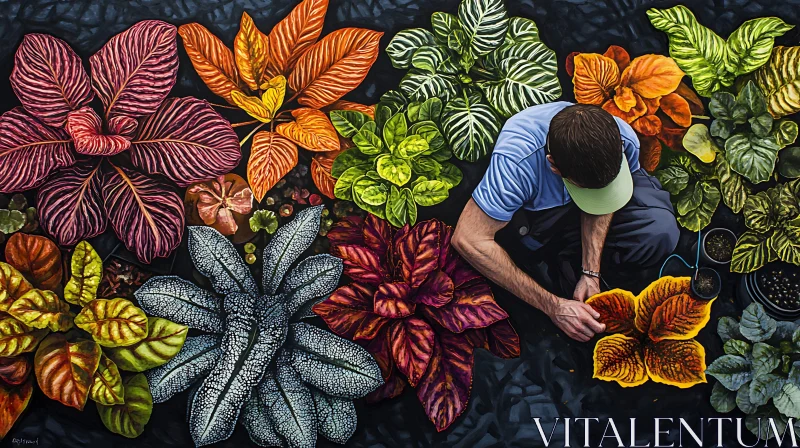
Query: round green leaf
pixel 673 178
pixel 785 133
pixel 751 99
pixel 344 184
pixel 395 130
pixel 130 418
pixel 752 157
pixel 412 146
pixel 359 186
pixel 375 195
pixel 426 166
pixel 11 221
pixel 164 340
pixel 730 370
pixel 763 387
pixel 348 122
pixel 350 158
pixel 699 143
pixel 430 192
pixel 756 325
pixel 722 400
pixel 788 400
pixel 394 169
pixel 696 205
pixel 789 164
pixel 430 110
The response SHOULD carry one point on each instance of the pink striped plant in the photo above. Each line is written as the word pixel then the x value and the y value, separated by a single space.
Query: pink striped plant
pixel 119 168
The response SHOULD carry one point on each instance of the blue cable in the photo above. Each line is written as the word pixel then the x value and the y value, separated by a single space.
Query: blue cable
pixel 696 260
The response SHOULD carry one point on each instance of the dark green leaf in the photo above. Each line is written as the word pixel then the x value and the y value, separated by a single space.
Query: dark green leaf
pixel 732 371
pixel 348 122
pixel 722 400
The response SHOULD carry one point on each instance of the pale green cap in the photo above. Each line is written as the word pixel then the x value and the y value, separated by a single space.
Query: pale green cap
pixel 609 199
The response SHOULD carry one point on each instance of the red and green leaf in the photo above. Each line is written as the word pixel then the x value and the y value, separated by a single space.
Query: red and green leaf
pixel 471 307
pixel 418 252
pixel 411 340
pixel 36 258
pixel 65 369
pixel 348 312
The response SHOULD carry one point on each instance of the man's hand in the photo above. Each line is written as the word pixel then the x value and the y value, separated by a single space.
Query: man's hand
pixel 577 319
pixel 587 287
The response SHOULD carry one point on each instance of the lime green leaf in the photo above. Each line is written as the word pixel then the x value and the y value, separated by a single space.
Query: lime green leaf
pixel 394 169
pixel 750 46
pixel 360 185
pixel 706 197
pixel 367 142
pixel 785 133
pixel 42 309
pixel 395 129
pixel 751 253
pixel 344 184
pixel 87 271
pixel 732 185
pixel 400 207
pixel 430 192
pixel 130 418
pixel 412 146
pixel 426 166
pixel 350 158
pixel 375 194
pixel 450 174
pixel 106 385
pixel 264 219
pixel 164 340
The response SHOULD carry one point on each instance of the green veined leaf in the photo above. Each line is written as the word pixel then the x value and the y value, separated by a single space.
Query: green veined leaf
pixel 129 419
pixel 751 99
pixel 11 221
pixel 403 45
pixel 428 130
pixel 443 24
pixel 367 142
pixel 114 322
pixel 732 185
pixel 764 387
pixel 766 358
pixel 87 270
pixel 430 192
pixel 359 186
pixel 751 253
pixel 420 85
pixel 412 146
pixel 348 122
pixel 521 30
pixel 730 370
pixel 400 207
pixel 706 196
pixel 426 166
pixel 163 341
pixel 722 400
pixel 758 211
pixel 393 169
pixel 785 132
pixel 752 157
pixel 450 174
pixel 106 385
pixel 375 195
pixel 394 100
pixel 42 309
pixel 761 125
pixel 786 243
pixel 697 50
pixel 674 179
pixel 485 22
pixel 430 110
pixel 750 46
pixel 723 106
pixel 471 127
pixel 350 158
pixel 344 184
pixel 779 79
pixel 16 337
pixel 395 129
pixel 435 59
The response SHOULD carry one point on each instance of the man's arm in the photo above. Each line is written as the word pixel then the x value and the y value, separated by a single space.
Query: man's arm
pixel 594 229
pixel 474 240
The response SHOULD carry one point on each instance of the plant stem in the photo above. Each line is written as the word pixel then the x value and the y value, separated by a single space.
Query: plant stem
pixel 244 123
pixel 244 140
pixel 224 106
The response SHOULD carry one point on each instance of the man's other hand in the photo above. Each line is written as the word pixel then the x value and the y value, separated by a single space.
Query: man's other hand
pixel 587 287
pixel 577 319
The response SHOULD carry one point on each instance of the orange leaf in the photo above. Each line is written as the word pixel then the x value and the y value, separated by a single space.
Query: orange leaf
pixel 569 63
pixel 619 55
pixel 312 130
pixel 617 310
pixel 652 75
pixel 334 66
pixel 619 358
pixel 37 258
pixel 321 172
pixel 625 99
pixel 211 59
pixel 12 285
pixel 653 104
pixel 676 363
pixel 349 105
pixel 295 33
pixel 672 137
pixel 654 295
pixel 65 369
pixel 648 125
pixel 595 77
pixel 13 400
pixel 679 318
pixel 251 48
pixel 649 153
pixel 677 108
pixel 689 95
pixel 272 156
pixel 637 111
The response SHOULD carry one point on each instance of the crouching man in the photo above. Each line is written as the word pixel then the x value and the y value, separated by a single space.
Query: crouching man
pixel 569 176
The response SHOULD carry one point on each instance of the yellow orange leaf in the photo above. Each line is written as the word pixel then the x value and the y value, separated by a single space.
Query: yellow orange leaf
pixel 321 172
pixel 274 92
pixel 334 66
pixel 695 104
pixel 253 106
pixel 649 153
pixel 654 295
pixel 637 111
pixel 211 59
pixel 113 322
pixel 653 104
pixel 679 318
pixel 617 310
pixel 625 99
pixel 619 358
pixel 595 76
pixel 296 33
pixel 65 368
pixel 312 130
pixel 251 48
pixel 677 108
pixel 16 337
pixel 272 156
pixel 652 75
pixel 349 105
pixel 676 363
pixel 648 125
pixel 42 309
pixel 619 55
pixel 12 285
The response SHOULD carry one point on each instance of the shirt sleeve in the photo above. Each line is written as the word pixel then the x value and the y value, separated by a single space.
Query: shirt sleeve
pixel 504 188
pixel 630 144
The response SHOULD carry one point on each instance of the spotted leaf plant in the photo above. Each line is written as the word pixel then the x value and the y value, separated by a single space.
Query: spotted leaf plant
pixel 285 380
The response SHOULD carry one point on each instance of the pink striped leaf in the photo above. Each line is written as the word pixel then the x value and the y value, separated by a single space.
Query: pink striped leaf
pixel 471 307
pixel 393 300
pixel 186 141
pixel 445 387
pixel 418 251
pixel 122 125
pixel 411 340
pixel 49 79
pixel 348 313
pixel 437 291
pixel 133 73
pixel 70 204
pixel 30 151
pixel 361 264
pixel 86 130
pixel 146 213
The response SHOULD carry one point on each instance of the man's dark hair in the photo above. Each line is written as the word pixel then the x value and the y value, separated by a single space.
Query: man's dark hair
pixel 586 146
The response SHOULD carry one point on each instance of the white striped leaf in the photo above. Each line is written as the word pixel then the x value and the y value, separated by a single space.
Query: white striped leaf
pixel 180 301
pixel 471 126
pixel 405 43
pixel 314 277
pixel 336 417
pixel 435 59
pixel 485 23
pixel 197 357
pixel 419 85
pixel 521 30
pixel 216 258
pixel 287 244
pixel 443 24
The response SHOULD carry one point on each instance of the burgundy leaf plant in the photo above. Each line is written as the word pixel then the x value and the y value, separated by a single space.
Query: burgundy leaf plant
pixel 419 308
pixel 119 168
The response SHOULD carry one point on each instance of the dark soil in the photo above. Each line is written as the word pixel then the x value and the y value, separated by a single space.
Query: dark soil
pixel 719 246
pixel 705 284
pixel 781 286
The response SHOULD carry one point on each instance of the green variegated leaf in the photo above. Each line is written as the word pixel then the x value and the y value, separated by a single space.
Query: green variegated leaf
pixel 313 278
pixel 786 243
pixel 430 110
pixel 129 419
pixel 42 309
pixel 348 159
pixel 348 122
pixel 737 347
pixel 197 357
pixel 16 337
pixel 674 179
pixel 182 302
pixel 368 143
pixel 403 45
pixel 106 385
pixel 470 126
pixel 114 322
pixel 751 156
pixel 426 166
pixel 360 186
pixel 763 387
pixel 743 399
pixel 344 184
pixel 336 417
pixel 163 341
pixel 723 106
pixel 751 253
pixel 420 85
pixel 87 271
pixel 394 100
pixel 435 59
pixel 756 325
pixel 485 23
pixel 375 195
pixel 785 132
pixel 732 185
pixel 728 328
pixel 11 221
pixel 395 130
pixel 521 30
pixel 443 24
pixel 290 406
pixel 779 79
pixel 730 370
pixel 751 99
pixel 430 132
pixel 412 146
pixel 393 169
pixel 750 46
pixel 430 192
pixel 761 125
pixel 287 244
pixel 788 400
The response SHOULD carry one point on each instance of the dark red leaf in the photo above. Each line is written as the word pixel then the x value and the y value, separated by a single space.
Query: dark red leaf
pixel 471 307
pixel 437 290
pixel 459 270
pixel 70 204
pixel 348 312
pixel 569 64
pixel 412 345
pixel 362 264
pixel 393 300
pixel 392 387
pixel 382 352
pixel 503 340
pixel 49 79
pixel 14 370
pixel 136 69
pixel 445 387
pixel 418 252
pixel 187 141
pixel 30 151
pixel 86 130
pixel 477 337
pixel 346 231
pixel 37 258
pixel 146 213
pixel 377 235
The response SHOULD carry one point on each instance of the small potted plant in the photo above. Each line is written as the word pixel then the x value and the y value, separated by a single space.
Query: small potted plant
pixel 706 283
pixel 776 286
pixel 717 246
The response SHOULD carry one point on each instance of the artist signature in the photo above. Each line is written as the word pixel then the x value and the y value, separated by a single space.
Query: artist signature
pixel 20 441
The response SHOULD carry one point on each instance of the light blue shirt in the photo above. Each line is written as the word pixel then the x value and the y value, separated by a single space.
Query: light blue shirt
pixel 519 174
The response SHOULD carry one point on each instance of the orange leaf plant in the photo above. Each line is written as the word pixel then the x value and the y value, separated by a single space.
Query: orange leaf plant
pixel 654 335
pixel 646 92
pixel 262 69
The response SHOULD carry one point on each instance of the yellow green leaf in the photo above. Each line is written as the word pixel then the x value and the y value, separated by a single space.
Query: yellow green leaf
pixel 87 271
pixel 698 141
pixel 16 337
pixel 129 419
pixel 252 105
pixel 12 285
pixel 274 92
pixel 113 323
pixel 106 385
pixel 164 340
pixel 42 309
